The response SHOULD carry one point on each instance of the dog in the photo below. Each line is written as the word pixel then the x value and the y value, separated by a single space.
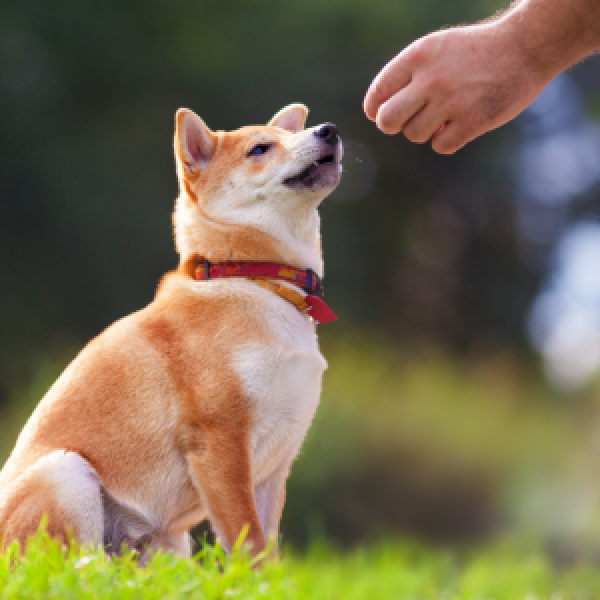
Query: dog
pixel 196 406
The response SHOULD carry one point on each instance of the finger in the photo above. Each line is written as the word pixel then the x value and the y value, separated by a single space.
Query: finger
pixel 439 129
pixel 449 139
pixel 424 125
pixel 393 77
pixel 399 109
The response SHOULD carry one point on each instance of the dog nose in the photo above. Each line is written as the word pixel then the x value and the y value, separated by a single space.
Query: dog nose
pixel 328 133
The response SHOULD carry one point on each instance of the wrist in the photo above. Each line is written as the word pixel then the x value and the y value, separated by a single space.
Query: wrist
pixel 551 36
pixel 530 45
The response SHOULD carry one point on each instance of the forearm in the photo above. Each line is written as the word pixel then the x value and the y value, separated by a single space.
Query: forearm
pixel 453 85
pixel 552 35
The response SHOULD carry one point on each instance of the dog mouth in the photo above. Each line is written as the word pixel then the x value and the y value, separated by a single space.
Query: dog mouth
pixel 309 176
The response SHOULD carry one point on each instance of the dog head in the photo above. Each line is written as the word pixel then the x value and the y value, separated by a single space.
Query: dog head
pixel 253 193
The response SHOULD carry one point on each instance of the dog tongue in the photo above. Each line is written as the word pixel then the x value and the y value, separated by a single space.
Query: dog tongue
pixel 318 310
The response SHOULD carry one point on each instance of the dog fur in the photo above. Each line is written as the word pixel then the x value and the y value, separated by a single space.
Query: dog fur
pixel 196 405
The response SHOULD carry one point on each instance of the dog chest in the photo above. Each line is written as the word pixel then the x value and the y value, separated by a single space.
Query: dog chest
pixel 283 381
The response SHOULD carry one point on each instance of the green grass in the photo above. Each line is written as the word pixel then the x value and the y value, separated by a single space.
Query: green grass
pixel 401 436
pixel 385 570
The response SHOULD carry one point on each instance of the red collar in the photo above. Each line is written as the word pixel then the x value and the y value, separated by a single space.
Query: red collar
pixel 306 279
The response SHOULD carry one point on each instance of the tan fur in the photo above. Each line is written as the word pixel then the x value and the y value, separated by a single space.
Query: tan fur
pixel 24 516
pixel 154 426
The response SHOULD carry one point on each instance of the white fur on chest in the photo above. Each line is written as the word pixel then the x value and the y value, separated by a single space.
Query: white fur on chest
pixel 283 381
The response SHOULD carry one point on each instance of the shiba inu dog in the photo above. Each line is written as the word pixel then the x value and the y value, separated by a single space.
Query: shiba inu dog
pixel 196 405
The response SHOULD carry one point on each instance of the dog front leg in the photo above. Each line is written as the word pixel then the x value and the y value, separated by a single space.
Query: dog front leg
pixel 270 498
pixel 219 465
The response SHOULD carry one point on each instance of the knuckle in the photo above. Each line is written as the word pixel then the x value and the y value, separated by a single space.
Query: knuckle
pixel 445 146
pixel 434 83
pixel 378 90
pixel 413 134
pixel 388 128
pixel 420 50
pixel 438 81
pixel 386 123
pixel 369 107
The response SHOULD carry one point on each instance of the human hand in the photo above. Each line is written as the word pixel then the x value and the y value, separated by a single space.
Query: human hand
pixel 453 85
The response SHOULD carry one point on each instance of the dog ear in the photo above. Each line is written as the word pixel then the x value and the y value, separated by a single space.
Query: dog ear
pixel 195 143
pixel 291 118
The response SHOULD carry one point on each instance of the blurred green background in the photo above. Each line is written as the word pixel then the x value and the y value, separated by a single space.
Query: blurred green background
pixel 462 396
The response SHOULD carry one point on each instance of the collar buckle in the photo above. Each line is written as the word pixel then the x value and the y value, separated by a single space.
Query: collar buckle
pixel 313 284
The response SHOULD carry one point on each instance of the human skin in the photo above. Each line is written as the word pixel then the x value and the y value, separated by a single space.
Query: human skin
pixel 453 85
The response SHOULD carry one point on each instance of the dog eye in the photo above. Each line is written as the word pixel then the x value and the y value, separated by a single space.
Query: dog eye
pixel 259 149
